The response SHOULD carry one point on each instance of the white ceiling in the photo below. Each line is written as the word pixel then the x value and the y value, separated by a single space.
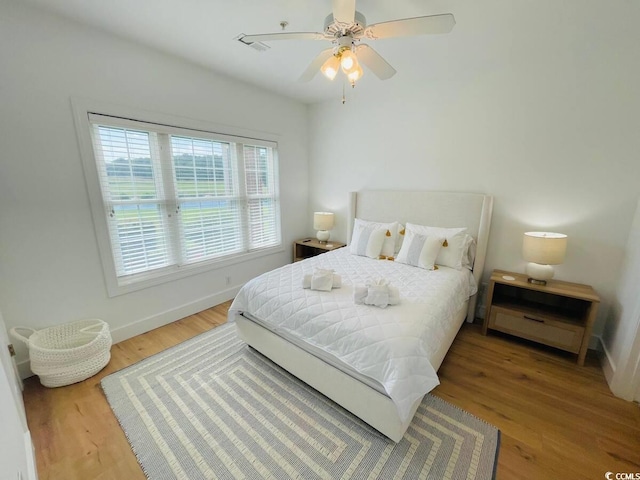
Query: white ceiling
pixel 203 32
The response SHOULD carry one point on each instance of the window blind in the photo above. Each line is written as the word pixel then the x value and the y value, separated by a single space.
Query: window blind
pixel 210 204
pixel 176 197
pixel 262 197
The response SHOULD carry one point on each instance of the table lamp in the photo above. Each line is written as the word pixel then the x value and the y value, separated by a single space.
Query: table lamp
pixel 541 250
pixel 323 222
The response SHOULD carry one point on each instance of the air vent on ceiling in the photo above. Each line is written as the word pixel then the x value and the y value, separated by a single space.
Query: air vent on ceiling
pixel 259 46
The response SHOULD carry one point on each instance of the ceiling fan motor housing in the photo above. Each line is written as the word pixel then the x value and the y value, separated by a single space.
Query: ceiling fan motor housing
pixel 338 29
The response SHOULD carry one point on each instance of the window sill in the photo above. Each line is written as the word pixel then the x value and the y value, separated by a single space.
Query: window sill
pixel 117 287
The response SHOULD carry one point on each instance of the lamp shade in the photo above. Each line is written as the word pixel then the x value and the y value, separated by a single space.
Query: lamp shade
pixel 322 221
pixel 545 248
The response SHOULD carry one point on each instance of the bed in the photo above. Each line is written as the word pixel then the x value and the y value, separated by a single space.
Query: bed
pixel 351 353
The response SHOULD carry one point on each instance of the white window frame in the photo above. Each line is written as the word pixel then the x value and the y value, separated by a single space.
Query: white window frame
pixel 82 108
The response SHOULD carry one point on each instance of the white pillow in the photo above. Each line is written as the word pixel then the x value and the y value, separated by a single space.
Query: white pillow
pixel 420 250
pixel 453 247
pixel 390 235
pixel 400 239
pixel 367 240
pixel 470 252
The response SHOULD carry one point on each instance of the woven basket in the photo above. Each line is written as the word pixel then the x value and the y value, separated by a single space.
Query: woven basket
pixel 68 353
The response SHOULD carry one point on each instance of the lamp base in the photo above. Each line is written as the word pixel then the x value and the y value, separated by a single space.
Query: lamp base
pixel 539 274
pixel 323 236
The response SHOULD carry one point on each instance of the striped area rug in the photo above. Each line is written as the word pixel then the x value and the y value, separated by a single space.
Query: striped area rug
pixel 212 408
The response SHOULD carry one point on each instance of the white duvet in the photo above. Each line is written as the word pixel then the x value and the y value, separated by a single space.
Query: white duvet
pixel 391 346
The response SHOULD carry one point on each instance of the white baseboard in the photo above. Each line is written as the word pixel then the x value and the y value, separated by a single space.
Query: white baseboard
pixel 595 343
pixel 24 369
pixel 144 325
pixel 607 363
pixel 160 319
pixel 620 385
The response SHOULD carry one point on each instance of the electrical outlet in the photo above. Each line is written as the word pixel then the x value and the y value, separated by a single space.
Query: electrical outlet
pixel 228 280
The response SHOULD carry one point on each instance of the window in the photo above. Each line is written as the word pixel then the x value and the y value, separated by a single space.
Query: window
pixel 176 198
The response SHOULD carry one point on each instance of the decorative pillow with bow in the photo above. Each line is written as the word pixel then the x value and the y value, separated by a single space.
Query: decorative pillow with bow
pixel 453 247
pixel 390 233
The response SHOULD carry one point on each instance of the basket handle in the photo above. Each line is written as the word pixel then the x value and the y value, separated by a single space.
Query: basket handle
pixel 14 332
pixel 92 328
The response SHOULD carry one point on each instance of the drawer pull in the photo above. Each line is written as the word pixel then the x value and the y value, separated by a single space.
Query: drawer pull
pixel 526 317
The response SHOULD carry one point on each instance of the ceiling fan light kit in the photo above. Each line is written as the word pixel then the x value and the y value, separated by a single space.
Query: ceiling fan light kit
pixel 348 61
pixel 345 60
pixel 345 28
pixel 330 68
pixel 355 75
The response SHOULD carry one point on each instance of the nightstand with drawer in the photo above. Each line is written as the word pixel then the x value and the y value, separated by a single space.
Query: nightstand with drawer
pixel 559 314
pixel 310 247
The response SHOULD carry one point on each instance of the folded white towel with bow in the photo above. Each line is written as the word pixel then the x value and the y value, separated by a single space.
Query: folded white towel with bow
pixel 377 293
pixel 322 279
pixel 394 295
pixel 360 293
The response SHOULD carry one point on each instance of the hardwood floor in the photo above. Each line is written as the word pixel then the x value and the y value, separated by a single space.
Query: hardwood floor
pixel 558 420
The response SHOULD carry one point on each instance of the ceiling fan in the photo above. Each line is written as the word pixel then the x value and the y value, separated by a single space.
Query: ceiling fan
pixel 345 28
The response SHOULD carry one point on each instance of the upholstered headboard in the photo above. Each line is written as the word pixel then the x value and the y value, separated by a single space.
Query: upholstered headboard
pixel 437 209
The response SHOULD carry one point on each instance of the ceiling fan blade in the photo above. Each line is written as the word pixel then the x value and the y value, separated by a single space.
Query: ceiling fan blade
pixel 411 26
pixel 314 66
pixel 344 10
pixel 372 59
pixel 267 37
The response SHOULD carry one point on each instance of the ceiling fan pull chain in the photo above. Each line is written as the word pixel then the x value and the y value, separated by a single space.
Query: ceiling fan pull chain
pixel 344 99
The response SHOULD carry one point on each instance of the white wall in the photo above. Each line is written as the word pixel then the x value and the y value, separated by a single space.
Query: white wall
pixel 535 103
pixel 50 270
